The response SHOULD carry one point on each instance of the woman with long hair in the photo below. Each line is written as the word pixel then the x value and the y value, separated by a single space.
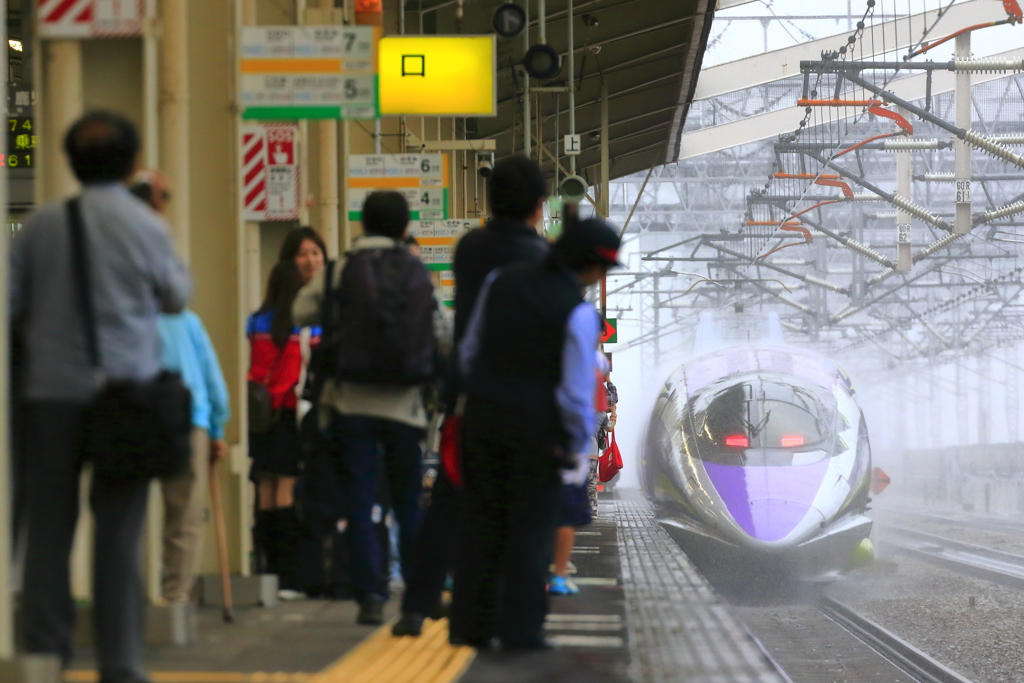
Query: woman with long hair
pixel 306 249
pixel 276 361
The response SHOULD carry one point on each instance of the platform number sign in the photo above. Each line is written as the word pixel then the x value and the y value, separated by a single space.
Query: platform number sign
pixel 610 331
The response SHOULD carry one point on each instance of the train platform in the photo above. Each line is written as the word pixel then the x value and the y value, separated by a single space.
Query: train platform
pixel 644 613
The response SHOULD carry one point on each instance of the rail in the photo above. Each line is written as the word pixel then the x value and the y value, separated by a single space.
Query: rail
pixel 977 561
pixel 898 651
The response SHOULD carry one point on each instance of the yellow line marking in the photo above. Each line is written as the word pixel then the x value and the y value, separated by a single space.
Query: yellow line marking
pixel 291 66
pixel 84 676
pixel 381 658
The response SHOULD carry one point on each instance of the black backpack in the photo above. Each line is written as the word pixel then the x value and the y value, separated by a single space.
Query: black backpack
pixel 383 320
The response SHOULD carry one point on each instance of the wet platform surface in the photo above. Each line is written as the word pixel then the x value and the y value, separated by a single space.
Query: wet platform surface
pixel 643 614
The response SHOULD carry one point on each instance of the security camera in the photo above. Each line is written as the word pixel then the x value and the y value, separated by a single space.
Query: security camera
pixel 484 166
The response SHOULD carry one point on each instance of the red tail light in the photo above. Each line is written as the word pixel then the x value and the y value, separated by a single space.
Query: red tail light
pixel 737 440
pixel 791 441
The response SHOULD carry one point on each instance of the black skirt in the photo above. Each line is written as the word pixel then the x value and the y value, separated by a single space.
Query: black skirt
pixel 278 451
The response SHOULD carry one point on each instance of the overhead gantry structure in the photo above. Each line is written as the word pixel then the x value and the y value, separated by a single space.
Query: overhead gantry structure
pixel 854 229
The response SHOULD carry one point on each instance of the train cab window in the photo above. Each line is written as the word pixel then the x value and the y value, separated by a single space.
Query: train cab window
pixel 763 421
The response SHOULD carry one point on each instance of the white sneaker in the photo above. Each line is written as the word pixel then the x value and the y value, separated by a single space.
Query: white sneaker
pixel 289 595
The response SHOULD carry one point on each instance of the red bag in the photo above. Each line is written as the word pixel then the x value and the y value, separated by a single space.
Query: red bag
pixel 610 462
pixel 601 395
pixel 451 449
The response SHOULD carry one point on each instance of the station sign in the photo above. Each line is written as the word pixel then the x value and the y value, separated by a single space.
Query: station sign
pixel 448 288
pixel 438 75
pixel 437 239
pixel 90 18
pixel 308 72
pixel 270 172
pixel 421 178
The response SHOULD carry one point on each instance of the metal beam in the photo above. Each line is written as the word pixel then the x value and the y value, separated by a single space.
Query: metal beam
pixel 769 125
pixel 779 64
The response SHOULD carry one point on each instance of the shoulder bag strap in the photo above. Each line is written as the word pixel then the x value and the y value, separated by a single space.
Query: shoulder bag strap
pixel 80 268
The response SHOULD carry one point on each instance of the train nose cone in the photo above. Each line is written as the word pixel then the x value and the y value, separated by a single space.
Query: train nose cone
pixel 768 503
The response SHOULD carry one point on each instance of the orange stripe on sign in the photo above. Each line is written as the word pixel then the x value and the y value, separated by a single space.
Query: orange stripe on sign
pixel 437 241
pixel 291 66
pixel 384 183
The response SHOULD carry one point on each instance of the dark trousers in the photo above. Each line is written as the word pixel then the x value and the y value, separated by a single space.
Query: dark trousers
pixel 368 448
pixel 435 549
pixel 509 510
pixel 54 465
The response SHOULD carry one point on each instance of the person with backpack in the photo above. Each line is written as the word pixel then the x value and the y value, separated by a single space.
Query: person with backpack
pixel 274 446
pixel 381 344
pixel 516 191
pixel 530 372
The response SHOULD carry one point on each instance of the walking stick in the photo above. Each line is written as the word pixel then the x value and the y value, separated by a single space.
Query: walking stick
pixel 222 544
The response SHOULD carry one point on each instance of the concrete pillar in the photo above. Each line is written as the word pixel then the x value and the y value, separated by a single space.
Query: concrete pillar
pixel 62 103
pixel 175 131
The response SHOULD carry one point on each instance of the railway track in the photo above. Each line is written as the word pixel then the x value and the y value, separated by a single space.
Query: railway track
pixel 829 641
pixel 977 561
pixel 1002 526
pixel 919 665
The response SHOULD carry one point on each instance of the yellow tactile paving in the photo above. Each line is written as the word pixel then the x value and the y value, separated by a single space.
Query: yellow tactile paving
pixel 381 658
pixel 79 676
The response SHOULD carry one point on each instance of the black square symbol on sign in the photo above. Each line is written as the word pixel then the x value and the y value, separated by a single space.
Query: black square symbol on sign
pixel 414 65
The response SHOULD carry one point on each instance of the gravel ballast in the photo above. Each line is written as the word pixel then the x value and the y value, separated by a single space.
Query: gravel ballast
pixel 931 608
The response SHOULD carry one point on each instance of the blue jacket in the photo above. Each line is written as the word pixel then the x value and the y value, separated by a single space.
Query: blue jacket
pixel 187 350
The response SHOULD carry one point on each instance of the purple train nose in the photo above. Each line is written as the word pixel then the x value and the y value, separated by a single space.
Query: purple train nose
pixel 768 503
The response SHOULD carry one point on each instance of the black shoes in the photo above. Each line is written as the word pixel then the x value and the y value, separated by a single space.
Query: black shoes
pixel 371 611
pixel 411 624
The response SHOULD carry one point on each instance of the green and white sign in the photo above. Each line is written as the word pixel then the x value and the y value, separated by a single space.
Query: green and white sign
pixel 308 72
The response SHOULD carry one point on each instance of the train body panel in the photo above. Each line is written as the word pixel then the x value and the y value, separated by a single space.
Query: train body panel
pixel 761 453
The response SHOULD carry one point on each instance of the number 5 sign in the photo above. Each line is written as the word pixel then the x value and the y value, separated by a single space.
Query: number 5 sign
pixel 90 18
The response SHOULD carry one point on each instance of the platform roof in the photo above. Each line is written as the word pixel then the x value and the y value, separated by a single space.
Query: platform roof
pixel 648 53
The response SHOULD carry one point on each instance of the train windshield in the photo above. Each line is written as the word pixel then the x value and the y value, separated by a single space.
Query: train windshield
pixel 759 420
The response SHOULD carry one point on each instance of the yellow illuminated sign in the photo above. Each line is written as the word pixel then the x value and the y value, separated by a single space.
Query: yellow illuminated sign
pixel 437 76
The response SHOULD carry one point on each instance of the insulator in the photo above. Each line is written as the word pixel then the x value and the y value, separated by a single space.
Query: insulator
pixel 867 251
pixel 881 277
pixel 845 313
pixel 938 244
pixel 976 66
pixel 939 177
pixel 996 150
pixel 915 210
pixel 902 144
pixel 795 304
pixel 825 284
pixel 1005 211
pixel 1007 139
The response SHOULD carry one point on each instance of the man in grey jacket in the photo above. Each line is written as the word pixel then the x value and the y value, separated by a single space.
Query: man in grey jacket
pixel 135 276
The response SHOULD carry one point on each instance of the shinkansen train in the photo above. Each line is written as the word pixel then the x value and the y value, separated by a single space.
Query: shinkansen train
pixel 758 459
